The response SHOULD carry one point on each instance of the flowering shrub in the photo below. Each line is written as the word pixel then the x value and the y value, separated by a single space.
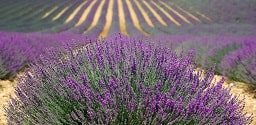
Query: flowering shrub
pixel 13 55
pixel 121 80
pixel 223 46
pixel 240 64
pixel 233 56
pixel 19 50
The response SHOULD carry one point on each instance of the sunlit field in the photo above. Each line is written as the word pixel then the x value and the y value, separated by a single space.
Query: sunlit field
pixel 150 62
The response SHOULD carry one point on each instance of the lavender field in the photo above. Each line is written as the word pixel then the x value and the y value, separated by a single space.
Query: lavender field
pixel 128 62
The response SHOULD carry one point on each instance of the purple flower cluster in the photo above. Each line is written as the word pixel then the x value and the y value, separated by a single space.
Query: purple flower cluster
pixel 121 80
pixel 241 64
pixel 18 50
pixel 233 56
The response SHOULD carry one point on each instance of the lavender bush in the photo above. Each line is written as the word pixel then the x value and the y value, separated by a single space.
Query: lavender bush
pixel 121 80
pixel 13 56
pixel 233 56
pixel 18 50
pixel 240 64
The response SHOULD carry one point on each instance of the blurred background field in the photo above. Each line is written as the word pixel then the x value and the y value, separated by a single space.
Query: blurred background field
pixel 222 33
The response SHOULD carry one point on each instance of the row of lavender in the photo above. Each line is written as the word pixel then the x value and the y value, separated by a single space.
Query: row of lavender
pixel 152 16
pixel 122 80
pixel 130 26
pixel 30 15
pixel 228 11
pixel 233 56
pixel 18 50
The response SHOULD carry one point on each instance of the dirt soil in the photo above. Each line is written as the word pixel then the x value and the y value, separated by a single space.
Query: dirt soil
pixel 244 91
pixel 237 88
pixel 6 89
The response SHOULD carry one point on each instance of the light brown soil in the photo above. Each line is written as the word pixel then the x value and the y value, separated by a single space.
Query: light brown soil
pixel 237 88
pixel 244 91
pixel 7 88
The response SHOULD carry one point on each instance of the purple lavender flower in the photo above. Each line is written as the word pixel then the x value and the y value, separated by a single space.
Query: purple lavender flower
pixel 240 64
pixel 124 81
pixel 19 50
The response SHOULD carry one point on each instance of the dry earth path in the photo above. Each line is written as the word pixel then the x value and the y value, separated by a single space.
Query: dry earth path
pixel 6 89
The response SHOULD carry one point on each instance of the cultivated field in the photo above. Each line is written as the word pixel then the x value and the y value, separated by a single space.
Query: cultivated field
pixel 62 43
